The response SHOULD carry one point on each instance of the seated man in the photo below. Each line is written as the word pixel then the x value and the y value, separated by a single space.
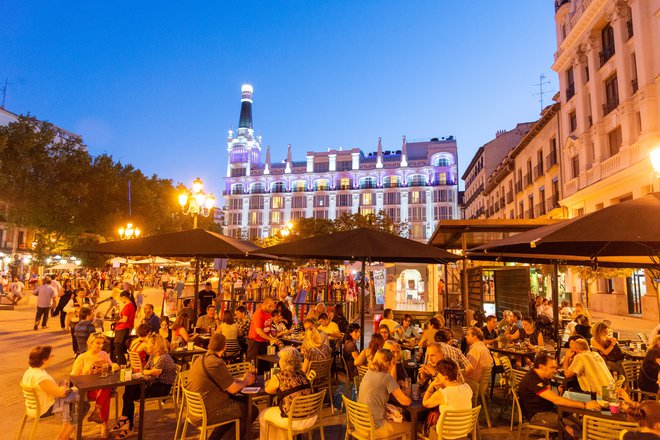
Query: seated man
pixel 188 310
pixel 428 371
pixel 209 322
pixel 537 400
pixel 589 367
pixel 479 357
pixel 444 336
pixel 210 377
pixel 490 330
pixel 515 330
pixel 150 318
pixel 328 327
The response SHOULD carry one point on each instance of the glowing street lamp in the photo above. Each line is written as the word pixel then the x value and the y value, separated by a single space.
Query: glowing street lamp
pixel 129 231
pixel 655 160
pixel 286 230
pixel 196 202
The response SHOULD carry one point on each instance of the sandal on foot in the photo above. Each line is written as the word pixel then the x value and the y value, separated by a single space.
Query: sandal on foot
pixel 124 432
pixel 123 420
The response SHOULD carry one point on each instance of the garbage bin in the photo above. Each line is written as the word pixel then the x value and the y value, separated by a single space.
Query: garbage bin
pixel 377 318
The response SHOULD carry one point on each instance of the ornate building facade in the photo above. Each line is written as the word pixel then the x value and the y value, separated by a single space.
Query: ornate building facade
pixel 416 184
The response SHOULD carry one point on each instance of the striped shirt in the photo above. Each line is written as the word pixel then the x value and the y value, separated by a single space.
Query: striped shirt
pixel 480 359
pixel 454 354
pixel 591 370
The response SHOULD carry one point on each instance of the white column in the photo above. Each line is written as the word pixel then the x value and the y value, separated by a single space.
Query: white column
pixel 356 161
pixel 379 201
pixel 332 162
pixel 596 90
pixel 430 220
pixel 265 221
pixel 404 206
pixel 310 164
pixel 287 208
pixel 246 211
pixel 332 206
pixel 309 209
pixel 355 198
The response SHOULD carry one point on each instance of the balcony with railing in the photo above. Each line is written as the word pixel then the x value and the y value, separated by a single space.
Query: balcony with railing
pixel 539 209
pixel 538 171
pixel 519 187
pixel 570 91
pixel 502 204
pixel 552 202
pixel 530 213
pixel 509 196
pixel 528 179
pixel 609 106
pixel 606 54
pixel 550 160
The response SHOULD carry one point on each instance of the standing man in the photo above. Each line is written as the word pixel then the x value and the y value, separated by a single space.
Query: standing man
pixel 165 280
pixel 205 297
pixel 259 334
pixel 45 295
pixel 150 318
pixel 479 357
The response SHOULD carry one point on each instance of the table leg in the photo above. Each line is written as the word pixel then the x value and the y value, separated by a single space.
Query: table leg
pixel 413 421
pixel 560 416
pixel 142 414
pixel 81 416
pixel 248 428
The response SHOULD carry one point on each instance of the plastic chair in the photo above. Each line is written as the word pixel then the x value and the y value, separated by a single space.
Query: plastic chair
pixel 136 361
pixel 523 425
pixel 238 370
pixel 357 380
pixel 163 399
pixel 323 378
pixel 454 424
pixel 304 407
pixel 196 416
pixel 32 405
pixel 516 377
pixel 631 369
pixel 360 422
pixel 643 337
pixel 483 392
pixel 362 370
pixel 595 428
pixel 180 383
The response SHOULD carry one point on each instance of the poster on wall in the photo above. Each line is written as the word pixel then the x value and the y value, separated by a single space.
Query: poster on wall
pixel 379 286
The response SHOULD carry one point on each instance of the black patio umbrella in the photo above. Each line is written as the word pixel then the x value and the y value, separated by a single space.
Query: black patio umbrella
pixel 194 243
pixel 621 235
pixel 361 244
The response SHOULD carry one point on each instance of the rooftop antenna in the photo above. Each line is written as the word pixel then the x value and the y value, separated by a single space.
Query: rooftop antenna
pixel 3 90
pixel 542 82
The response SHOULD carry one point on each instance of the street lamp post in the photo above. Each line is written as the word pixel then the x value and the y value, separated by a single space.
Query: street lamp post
pixel 196 202
pixel 129 231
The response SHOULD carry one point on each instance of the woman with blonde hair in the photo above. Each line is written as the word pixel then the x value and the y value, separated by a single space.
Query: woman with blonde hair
pixel 159 373
pixel 315 345
pixel 290 382
pixel 92 362
pixel 375 389
pixel 607 347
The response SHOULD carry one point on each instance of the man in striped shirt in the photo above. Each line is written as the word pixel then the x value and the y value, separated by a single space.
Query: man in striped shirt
pixel 443 336
pixel 479 357
pixel 589 367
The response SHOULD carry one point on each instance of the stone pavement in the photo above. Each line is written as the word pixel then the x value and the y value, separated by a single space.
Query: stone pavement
pixel 17 339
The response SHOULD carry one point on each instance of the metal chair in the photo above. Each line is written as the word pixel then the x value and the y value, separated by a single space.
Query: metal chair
pixel 196 417
pixel 360 422
pixel 523 425
pixel 31 405
pixel 596 428
pixel 304 407
pixel 632 369
pixel 643 337
pixel 323 378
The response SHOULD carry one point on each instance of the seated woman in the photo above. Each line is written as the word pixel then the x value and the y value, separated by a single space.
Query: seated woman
pixel 315 345
pixel 530 334
pixel 350 351
pixel 229 329
pixel 397 370
pixel 180 335
pixel 445 392
pixel 580 311
pixel 290 382
pixel 375 344
pixel 159 372
pixel 407 331
pixel 375 390
pixel 428 335
pixel 164 330
pixel 45 387
pixel 583 327
pixel 646 414
pixel 649 375
pixel 139 345
pixel 607 347
pixel 92 362
pixel 384 332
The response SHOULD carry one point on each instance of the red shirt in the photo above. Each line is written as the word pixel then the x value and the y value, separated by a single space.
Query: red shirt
pixel 261 320
pixel 128 310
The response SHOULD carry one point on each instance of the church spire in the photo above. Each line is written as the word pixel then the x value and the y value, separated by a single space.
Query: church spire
pixel 379 154
pixel 267 166
pixel 404 153
pixel 287 169
pixel 245 120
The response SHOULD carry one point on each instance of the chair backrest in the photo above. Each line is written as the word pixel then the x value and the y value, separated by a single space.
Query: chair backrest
pixel 232 347
pixel 195 408
pixel 357 380
pixel 506 365
pixel 239 369
pixel 455 424
pixel 311 376
pixel 516 405
pixel 31 401
pixel 358 417
pixel 303 407
pixel 643 337
pixel 485 380
pixel 136 361
pixel 516 377
pixel 595 428
pixel 322 369
pixel 362 370
pixel 194 358
pixel 180 383
pixel 631 371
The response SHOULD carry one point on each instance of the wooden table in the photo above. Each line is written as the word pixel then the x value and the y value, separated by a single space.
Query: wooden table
pixel 636 355
pixel 92 382
pixel 268 358
pixel 180 355
pixel 291 341
pixel 252 399
pixel 581 397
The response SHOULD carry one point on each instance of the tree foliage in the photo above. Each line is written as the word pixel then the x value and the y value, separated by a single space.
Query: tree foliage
pixel 50 182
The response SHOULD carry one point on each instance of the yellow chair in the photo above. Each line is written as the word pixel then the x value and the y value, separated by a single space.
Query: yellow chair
pixel 239 369
pixel 362 370
pixel 323 378
pixel 303 407
pixel 196 417
pixel 136 361
pixel 596 428
pixel 483 392
pixel 32 405
pixel 360 422
pixel 357 380
pixel 516 377
pixel 455 424
pixel 526 426
pixel 180 383
pixel 163 399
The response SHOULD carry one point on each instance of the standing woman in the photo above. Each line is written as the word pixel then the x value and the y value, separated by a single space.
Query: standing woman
pixel 65 296
pixel 91 362
pixel 607 347
pixel 124 326
pixel 94 291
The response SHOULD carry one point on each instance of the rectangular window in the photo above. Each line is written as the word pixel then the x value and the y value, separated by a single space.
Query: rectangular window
pixel 417 232
pixel 277 202
pixel 235 218
pixel 367 211
pixel 297 215
pixel 367 199
pixel 611 94
pixel 417 214
pixel 236 204
pixel 392 198
pixel 345 183
pixel 615 140
pixel 417 197
pixel 394 214
pixel 321 213
pixel 572 121
pixel 570 84
pixel 607 40
pixel 344 165
pixel 275 218
pixel 575 166
pixel 321 167
pixel 237 172
pixel 321 201
pixel 257 202
pixel 344 200
pixel 255 218
pixel 298 202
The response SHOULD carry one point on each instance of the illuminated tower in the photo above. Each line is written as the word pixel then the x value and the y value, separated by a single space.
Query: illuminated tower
pixel 244 149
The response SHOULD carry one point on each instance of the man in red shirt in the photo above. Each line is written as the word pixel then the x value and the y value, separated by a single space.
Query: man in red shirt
pixel 259 335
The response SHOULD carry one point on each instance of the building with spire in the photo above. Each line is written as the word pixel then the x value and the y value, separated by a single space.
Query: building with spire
pixel 416 184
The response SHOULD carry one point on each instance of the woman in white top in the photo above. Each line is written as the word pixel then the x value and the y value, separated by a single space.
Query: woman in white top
pixel 229 329
pixel 44 386
pixel 445 392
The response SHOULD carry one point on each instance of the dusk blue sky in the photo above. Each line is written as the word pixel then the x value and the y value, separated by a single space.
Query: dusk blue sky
pixel 157 84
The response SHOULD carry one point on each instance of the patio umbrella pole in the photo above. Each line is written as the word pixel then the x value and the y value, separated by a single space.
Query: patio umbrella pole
pixel 362 306
pixel 196 283
pixel 555 307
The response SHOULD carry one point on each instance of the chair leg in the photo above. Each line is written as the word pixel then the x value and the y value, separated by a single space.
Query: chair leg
pixel 185 429
pixel 20 430
pixel 33 431
pixel 321 432
pixel 238 429
pixel 483 402
pixel 332 404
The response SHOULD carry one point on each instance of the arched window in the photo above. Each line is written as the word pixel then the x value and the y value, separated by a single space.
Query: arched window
pixel 278 187
pixel 391 181
pixel 257 188
pixel 321 185
pixel 237 188
pixel 367 182
pixel 442 160
pixel 298 186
